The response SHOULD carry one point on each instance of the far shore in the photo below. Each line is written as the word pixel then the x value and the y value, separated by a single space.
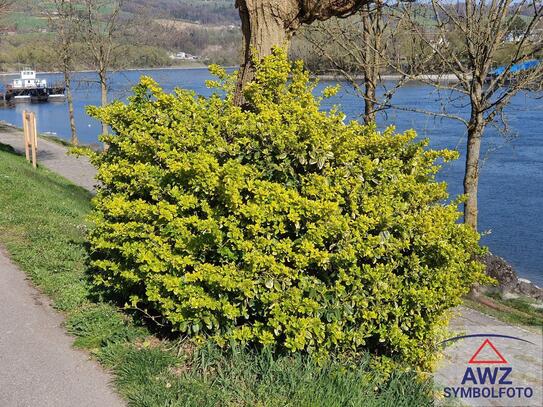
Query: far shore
pixel 443 78
pixel 165 68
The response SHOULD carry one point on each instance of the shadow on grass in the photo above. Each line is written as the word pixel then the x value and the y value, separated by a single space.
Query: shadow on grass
pixel 8 149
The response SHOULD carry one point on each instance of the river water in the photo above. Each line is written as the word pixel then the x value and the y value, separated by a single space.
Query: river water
pixel 511 184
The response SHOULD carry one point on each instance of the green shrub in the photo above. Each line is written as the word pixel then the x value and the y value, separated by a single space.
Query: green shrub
pixel 279 225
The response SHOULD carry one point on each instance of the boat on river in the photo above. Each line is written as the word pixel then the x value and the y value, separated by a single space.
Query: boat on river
pixel 29 88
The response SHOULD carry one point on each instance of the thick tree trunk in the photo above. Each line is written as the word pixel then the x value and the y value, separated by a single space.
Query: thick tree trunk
pixel 471 177
pixel 69 97
pixel 269 23
pixel 262 30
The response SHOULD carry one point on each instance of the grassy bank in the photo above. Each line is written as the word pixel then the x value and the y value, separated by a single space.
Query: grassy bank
pixel 515 311
pixel 42 225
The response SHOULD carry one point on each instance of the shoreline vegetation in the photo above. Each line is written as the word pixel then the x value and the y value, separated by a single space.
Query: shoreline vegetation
pixel 518 311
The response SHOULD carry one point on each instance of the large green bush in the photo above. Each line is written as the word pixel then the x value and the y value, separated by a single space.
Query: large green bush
pixel 280 225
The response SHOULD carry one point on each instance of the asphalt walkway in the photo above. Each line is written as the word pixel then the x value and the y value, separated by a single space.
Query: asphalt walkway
pixel 482 365
pixel 38 365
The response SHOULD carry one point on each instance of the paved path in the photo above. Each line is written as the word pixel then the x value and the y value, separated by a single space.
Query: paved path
pixel 38 365
pixel 53 156
pixel 524 358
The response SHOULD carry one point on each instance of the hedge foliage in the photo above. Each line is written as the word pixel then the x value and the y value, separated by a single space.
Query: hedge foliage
pixel 279 225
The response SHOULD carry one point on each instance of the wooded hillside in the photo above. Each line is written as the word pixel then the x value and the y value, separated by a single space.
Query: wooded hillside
pixel 152 30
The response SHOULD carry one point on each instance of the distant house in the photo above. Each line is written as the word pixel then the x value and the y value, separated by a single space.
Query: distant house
pixel 535 35
pixel 514 37
pixel 183 56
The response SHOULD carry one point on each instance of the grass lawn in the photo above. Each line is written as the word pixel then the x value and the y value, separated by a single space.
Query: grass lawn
pixel 42 225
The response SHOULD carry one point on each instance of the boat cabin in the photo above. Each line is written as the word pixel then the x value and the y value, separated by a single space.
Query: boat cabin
pixel 29 88
pixel 28 80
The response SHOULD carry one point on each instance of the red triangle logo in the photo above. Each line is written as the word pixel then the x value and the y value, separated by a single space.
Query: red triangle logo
pixel 498 360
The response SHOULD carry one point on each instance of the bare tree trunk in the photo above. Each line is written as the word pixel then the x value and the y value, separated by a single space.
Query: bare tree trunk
pixel 103 91
pixel 63 21
pixel 369 100
pixel 476 126
pixel 69 97
pixel 480 29
pixel 370 38
pixel 471 177
pixel 99 27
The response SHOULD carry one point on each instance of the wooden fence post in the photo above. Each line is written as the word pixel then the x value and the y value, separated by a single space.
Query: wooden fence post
pixel 27 135
pixel 34 140
pixel 30 130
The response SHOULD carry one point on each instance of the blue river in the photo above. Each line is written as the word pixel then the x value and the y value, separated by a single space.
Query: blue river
pixel 511 183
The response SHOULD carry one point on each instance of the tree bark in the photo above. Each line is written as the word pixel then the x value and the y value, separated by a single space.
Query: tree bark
pixel 369 100
pixel 269 23
pixel 262 30
pixel 103 90
pixel 471 177
pixel 69 97
pixel 476 128
pixel 370 60
pixel 372 37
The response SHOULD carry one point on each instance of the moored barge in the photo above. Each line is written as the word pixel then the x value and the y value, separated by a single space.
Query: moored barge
pixel 29 88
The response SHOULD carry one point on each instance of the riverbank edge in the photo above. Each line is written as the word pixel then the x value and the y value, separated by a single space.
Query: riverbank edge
pixel 164 68
pixel 424 78
pixel 439 78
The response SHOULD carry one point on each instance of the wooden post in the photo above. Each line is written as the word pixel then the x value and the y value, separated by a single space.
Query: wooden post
pixel 34 128
pixel 30 130
pixel 34 139
pixel 26 134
